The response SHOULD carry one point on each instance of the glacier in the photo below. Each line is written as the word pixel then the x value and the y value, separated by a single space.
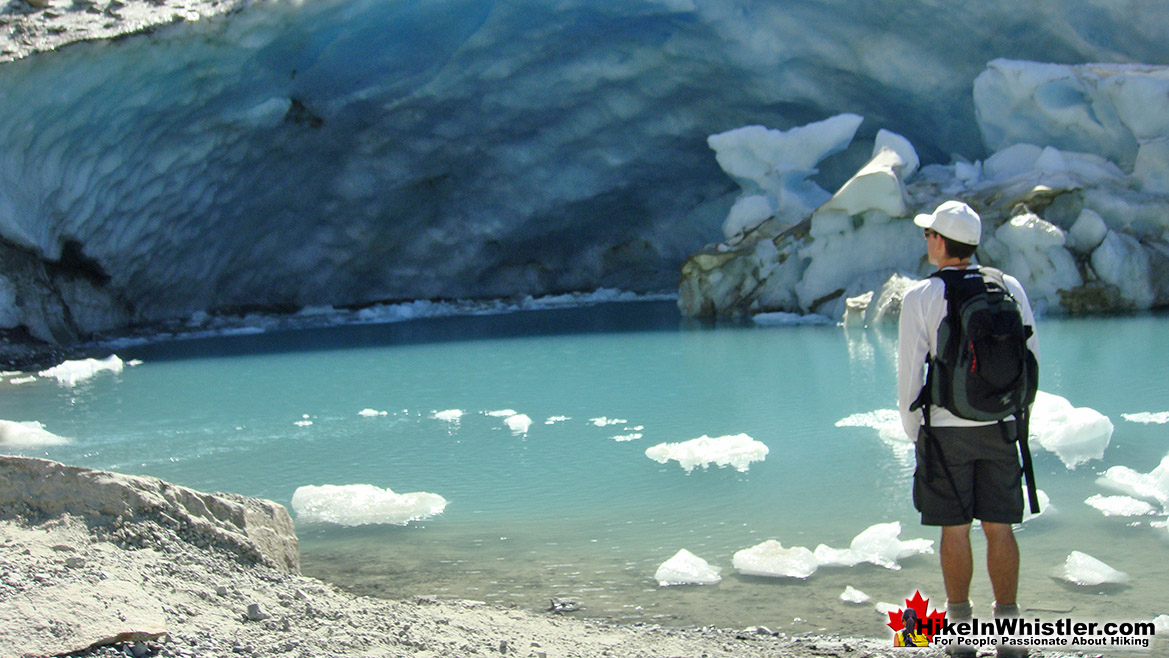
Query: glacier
pixel 160 160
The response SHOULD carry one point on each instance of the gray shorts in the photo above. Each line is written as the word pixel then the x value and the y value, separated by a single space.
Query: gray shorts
pixel 986 473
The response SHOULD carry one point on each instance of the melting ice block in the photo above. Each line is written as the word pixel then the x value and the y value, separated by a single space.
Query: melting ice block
pixel 1083 569
pixel 1150 486
pixel 1075 434
pixel 71 373
pixel 519 423
pixel 771 559
pixel 372 413
pixel 738 450
pixel 27 434
pixel 854 595
pixel 1148 417
pixel 686 568
pixel 879 544
pixel 449 415
pixel 363 504
pixel 1120 505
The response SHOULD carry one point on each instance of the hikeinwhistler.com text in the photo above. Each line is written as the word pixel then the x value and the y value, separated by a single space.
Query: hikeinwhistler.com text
pixel 1042 633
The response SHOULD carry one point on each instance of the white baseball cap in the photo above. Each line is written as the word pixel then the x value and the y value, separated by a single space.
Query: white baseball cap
pixel 955 220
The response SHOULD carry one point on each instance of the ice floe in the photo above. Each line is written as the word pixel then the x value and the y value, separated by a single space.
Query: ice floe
pixel 448 415
pixel 854 595
pixel 372 413
pixel 1153 485
pixel 771 559
pixel 887 422
pixel 27 434
pixel 1148 417
pixel 1083 569
pixel 518 423
pixel 72 373
pixel 1120 505
pixel 879 544
pixel 738 450
pixel 1075 434
pixel 686 568
pixel 363 504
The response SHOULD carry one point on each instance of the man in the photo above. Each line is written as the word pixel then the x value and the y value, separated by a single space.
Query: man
pixel 981 475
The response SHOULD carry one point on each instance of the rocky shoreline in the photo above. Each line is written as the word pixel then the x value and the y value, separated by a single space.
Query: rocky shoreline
pixel 94 563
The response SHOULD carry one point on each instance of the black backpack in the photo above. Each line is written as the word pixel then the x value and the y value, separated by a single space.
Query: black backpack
pixel 983 369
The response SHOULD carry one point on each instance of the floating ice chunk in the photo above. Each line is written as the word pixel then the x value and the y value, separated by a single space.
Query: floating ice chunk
pixel 519 423
pixel 449 415
pixel 1148 418
pixel 605 422
pixel 1075 434
pixel 686 568
pixel 71 373
pixel 556 419
pixel 628 437
pixel 782 319
pixel 771 559
pixel 1044 505
pixel 27 434
pixel 502 413
pixel 879 544
pixel 738 450
pixel 363 504
pixel 887 422
pixel 1120 505
pixel 17 381
pixel 1161 624
pixel 854 595
pixel 1150 486
pixel 1083 569
pixel 885 608
pixel 372 413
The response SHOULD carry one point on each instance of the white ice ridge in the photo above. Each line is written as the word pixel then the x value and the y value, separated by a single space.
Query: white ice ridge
pixel 854 595
pixel 1075 434
pixel 686 568
pixel 1148 417
pixel 1083 569
pixel 1153 485
pixel 738 450
pixel 27 434
pixel 1120 505
pixel 363 504
pixel 71 373
pixel 878 544
pixel 887 422
pixel 771 559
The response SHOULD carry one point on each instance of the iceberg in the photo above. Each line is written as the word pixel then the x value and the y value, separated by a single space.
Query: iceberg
pixel 879 544
pixel 686 568
pixel 518 423
pixel 27 434
pixel 1083 569
pixel 854 595
pixel 1120 505
pixel 738 450
pixel 72 373
pixel 363 504
pixel 1153 485
pixel 771 559
pixel 1075 434
pixel 1147 417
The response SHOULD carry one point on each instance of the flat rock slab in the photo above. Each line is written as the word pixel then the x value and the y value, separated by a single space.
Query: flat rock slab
pixel 52 620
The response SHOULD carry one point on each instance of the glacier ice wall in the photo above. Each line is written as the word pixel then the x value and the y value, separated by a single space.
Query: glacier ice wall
pixel 347 151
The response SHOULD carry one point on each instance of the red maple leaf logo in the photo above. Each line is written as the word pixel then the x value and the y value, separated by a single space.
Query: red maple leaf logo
pixel 930 623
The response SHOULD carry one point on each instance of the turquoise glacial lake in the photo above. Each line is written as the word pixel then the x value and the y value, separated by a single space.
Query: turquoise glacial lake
pixel 572 507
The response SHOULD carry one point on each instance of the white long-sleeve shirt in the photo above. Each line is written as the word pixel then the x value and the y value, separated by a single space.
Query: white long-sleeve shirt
pixel 922 311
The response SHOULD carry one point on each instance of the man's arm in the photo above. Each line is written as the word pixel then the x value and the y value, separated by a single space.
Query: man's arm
pixel 912 348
